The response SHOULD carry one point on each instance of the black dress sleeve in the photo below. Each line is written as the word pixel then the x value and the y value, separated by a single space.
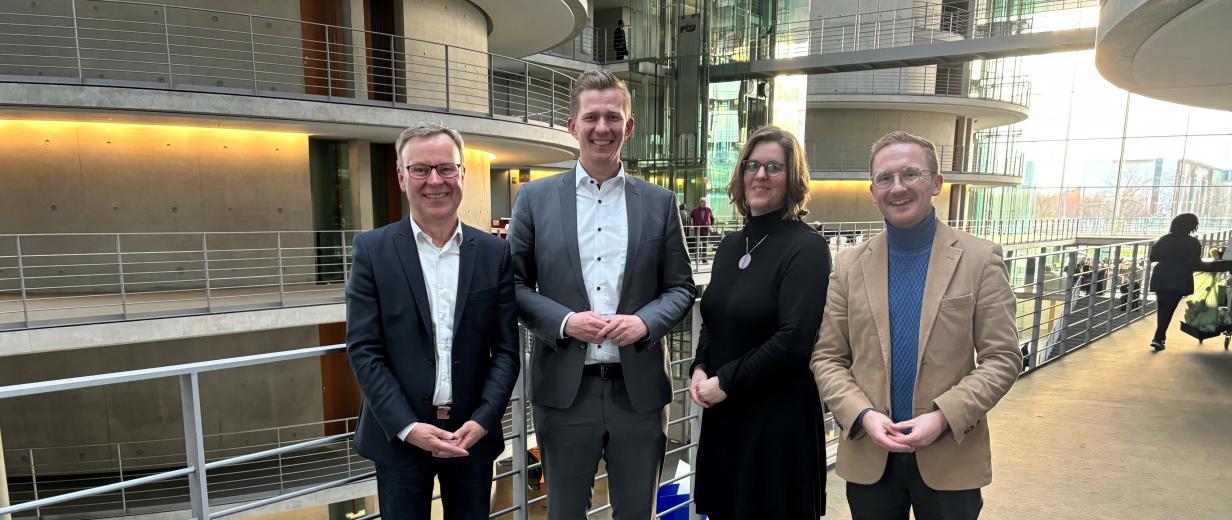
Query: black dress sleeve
pixel 801 301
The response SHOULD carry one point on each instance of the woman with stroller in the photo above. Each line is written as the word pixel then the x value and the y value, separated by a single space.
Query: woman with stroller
pixel 1179 255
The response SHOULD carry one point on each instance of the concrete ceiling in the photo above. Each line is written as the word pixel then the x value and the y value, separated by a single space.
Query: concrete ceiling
pixel 1176 51
pixel 524 27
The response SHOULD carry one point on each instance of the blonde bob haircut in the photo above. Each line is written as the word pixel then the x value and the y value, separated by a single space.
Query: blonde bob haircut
pixel 795 168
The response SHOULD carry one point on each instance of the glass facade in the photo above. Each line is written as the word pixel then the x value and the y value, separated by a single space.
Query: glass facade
pixel 1092 150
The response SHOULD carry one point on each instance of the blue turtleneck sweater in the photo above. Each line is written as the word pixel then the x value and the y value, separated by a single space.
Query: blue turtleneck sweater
pixel 909 250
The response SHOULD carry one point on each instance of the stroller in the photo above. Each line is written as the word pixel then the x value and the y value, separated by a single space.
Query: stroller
pixel 1206 313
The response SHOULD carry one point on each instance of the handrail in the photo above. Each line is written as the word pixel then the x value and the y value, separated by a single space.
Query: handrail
pixel 336 64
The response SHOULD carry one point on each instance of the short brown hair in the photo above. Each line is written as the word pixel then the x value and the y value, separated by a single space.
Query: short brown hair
pixel 797 172
pixel 901 137
pixel 597 79
pixel 421 130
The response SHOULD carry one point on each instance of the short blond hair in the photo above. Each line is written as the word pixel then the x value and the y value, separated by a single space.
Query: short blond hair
pixel 796 170
pixel 901 137
pixel 597 79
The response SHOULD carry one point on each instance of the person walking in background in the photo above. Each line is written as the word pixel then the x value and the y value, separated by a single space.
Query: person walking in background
pixel 701 219
pixel 602 275
pixel 1178 254
pixel 619 43
pixel 432 335
pixel 760 315
pixel 911 383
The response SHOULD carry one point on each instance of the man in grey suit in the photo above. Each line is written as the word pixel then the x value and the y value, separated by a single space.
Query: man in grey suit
pixel 601 275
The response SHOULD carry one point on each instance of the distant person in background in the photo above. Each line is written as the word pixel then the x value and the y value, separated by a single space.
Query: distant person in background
pixel 1178 255
pixel 618 41
pixel 701 218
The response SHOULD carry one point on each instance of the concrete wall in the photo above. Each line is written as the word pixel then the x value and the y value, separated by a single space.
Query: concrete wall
pixel 476 208
pixel 74 177
pixel 58 425
pixel 850 201
pixel 839 139
pixel 430 26
pixel 128 42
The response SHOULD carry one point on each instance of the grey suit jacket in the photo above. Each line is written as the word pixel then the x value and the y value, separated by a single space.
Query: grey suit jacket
pixel 657 286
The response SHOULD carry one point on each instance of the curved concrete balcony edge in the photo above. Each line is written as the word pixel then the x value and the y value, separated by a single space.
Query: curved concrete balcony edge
pixel 1167 50
pixel 987 113
pixel 525 27
pixel 515 142
pixel 968 178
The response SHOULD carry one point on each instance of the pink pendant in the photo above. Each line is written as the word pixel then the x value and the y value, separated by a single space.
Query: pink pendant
pixel 745 261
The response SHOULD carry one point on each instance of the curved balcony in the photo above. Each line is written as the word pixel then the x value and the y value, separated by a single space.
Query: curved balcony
pixel 185 49
pixel 991 101
pixel 995 163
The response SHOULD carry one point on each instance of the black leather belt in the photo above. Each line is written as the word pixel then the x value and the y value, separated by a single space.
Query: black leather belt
pixel 603 370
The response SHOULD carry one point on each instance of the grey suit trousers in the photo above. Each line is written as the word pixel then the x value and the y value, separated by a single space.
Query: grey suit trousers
pixel 601 423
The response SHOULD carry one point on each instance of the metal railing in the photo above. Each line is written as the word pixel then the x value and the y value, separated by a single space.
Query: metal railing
pixel 254 475
pixel 60 279
pixel 49 280
pixel 923 23
pixel 923 81
pixel 1000 158
pixel 597 45
pixel 1060 308
pixel 152 45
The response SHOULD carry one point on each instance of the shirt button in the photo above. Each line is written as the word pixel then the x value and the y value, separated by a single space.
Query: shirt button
pixel 599 259
pixel 600 201
pixel 598 288
pixel 600 229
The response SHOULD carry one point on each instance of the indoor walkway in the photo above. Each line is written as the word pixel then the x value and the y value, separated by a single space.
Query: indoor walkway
pixel 1112 431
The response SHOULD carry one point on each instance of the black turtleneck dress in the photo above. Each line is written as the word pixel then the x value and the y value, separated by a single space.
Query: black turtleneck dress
pixel 762 450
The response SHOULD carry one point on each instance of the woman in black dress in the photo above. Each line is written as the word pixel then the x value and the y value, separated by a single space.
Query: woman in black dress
pixel 1179 255
pixel 762 446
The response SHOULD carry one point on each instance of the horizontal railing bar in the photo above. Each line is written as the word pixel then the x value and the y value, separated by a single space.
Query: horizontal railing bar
pixel 294 494
pixel 278 451
pixel 68 497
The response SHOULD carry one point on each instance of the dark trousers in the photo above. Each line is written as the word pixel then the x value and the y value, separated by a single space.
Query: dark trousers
pixel 1168 301
pixel 601 423
pixel 901 489
pixel 405 493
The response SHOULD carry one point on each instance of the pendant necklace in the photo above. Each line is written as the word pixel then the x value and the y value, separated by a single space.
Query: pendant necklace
pixel 748 253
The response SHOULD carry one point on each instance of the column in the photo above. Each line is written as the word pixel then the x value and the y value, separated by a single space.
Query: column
pixel 359 50
pixel 359 159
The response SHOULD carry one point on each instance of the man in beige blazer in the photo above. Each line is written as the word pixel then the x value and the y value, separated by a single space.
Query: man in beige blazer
pixel 917 344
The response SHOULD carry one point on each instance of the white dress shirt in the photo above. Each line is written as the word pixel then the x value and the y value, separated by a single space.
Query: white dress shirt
pixel 603 241
pixel 440 274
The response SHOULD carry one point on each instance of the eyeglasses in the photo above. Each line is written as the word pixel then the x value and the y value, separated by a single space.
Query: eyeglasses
pixel 772 168
pixel 908 176
pixel 444 170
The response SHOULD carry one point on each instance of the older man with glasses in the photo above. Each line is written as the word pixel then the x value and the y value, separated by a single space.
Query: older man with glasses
pixel 911 383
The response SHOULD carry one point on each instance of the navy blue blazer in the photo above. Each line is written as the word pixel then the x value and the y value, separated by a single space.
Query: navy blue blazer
pixel 391 348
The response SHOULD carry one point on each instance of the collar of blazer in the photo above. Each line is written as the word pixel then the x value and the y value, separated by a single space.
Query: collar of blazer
pixel 407 249
pixel 635 209
pixel 875 265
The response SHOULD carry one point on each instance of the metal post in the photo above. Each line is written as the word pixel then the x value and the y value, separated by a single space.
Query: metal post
pixel 552 93
pixel 252 47
pixel 1091 296
pixel 34 483
pixel 446 77
pixel 278 439
pixel 526 100
pixel 120 268
pixel 190 404
pixel 1113 286
pixel 522 476
pixel 1133 279
pixel 1146 277
pixel 77 40
pixel 167 42
pixel 491 88
pixel 21 277
pixel 123 491
pixel 345 266
pixel 282 293
pixel 1039 310
pixel 205 262
pixel 329 75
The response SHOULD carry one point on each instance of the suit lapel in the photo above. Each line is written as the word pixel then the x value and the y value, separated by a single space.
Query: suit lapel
pixel 635 210
pixel 466 268
pixel 875 266
pixel 568 224
pixel 941 267
pixel 408 255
